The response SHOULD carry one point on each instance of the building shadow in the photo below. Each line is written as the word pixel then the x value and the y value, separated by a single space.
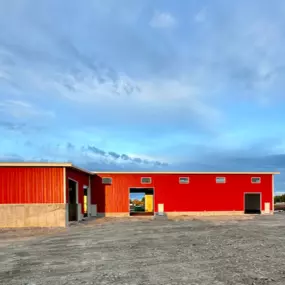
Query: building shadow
pixel 98 196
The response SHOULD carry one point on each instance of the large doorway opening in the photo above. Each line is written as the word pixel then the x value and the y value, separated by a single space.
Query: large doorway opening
pixel 141 201
pixel 252 203
pixel 72 200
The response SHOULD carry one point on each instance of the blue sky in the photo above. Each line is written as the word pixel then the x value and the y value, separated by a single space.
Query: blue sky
pixel 144 85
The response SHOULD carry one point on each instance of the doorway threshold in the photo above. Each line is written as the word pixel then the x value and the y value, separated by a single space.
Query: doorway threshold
pixel 141 213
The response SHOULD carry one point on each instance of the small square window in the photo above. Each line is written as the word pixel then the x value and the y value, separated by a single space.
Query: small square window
pixel 184 180
pixel 145 180
pixel 107 180
pixel 255 180
pixel 220 179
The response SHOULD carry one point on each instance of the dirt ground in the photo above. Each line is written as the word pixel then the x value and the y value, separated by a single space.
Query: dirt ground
pixel 219 250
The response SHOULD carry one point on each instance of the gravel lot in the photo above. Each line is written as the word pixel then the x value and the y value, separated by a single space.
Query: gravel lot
pixel 142 251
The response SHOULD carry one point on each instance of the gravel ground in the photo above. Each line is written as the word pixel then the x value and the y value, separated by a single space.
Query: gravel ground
pixel 143 251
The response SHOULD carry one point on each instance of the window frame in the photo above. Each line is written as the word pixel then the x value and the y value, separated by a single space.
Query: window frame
pixel 221 182
pixel 184 177
pixel 259 178
pixel 150 180
pixel 110 178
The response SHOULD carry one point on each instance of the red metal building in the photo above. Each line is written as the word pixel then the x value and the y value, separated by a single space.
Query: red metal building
pixel 52 194
pixel 42 194
pixel 186 193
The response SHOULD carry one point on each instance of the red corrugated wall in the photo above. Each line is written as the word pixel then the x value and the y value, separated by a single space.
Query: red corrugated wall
pixel 24 185
pixel 201 194
pixel 111 198
pixel 82 179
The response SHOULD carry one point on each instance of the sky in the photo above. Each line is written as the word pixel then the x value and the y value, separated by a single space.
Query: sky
pixel 144 84
pixel 137 196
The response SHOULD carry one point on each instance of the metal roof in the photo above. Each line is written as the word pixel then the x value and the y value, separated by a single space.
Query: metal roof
pixel 43 164
pixel 69 164
pixel 181 172
pixel 35 164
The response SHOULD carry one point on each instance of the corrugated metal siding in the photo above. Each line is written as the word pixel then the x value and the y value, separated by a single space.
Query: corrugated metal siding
pixel 201 194
pixel 111 198
pixel 82 179
pixel 23 185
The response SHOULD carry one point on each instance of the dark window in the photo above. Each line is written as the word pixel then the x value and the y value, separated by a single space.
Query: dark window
pixel 255 180
pixel 145 180
pixel 107 180
pixel 220 179
pixel 183 180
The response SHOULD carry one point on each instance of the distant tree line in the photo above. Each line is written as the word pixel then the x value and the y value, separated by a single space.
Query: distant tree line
pixel 279 199
pixel 137 202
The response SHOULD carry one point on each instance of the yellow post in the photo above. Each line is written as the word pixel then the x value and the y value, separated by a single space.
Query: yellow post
pixel 85 204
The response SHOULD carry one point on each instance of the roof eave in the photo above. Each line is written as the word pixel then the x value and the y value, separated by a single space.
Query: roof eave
pixel 35 164
pixel 181 172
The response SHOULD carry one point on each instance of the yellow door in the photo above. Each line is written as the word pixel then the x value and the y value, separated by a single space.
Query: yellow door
pixel 149 203
pixel 85 204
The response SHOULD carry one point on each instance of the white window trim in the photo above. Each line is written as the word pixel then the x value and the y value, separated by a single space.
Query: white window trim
pixel 107 178
pixel 188 180
pixel 150 180
pixel 256 182
pixel 221 182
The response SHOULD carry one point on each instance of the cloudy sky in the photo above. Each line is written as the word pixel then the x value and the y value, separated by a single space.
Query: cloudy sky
pixel 144 84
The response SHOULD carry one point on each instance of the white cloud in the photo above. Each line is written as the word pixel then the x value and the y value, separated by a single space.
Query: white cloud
pixel 90 154
pixel 179 101
pixel 22 110
pixel 162 20
pixel 145 157
pixel 150 99
pixel 279 193
pixel 146 101
pixel 201 16
pixel 4 75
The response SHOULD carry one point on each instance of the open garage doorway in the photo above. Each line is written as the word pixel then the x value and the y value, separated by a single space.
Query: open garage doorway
pixel 252 203
pixel 72 200
pixel 141 201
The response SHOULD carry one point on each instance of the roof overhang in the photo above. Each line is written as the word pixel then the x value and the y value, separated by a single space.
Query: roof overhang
pixel 181 172
pixel 44 164
pixel 35 164
pixel 81 169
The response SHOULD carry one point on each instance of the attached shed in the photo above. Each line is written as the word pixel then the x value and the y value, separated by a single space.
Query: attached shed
pixel 185 193
pixel 37 194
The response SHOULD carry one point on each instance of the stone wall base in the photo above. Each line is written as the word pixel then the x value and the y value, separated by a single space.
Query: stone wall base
pixel 32 215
